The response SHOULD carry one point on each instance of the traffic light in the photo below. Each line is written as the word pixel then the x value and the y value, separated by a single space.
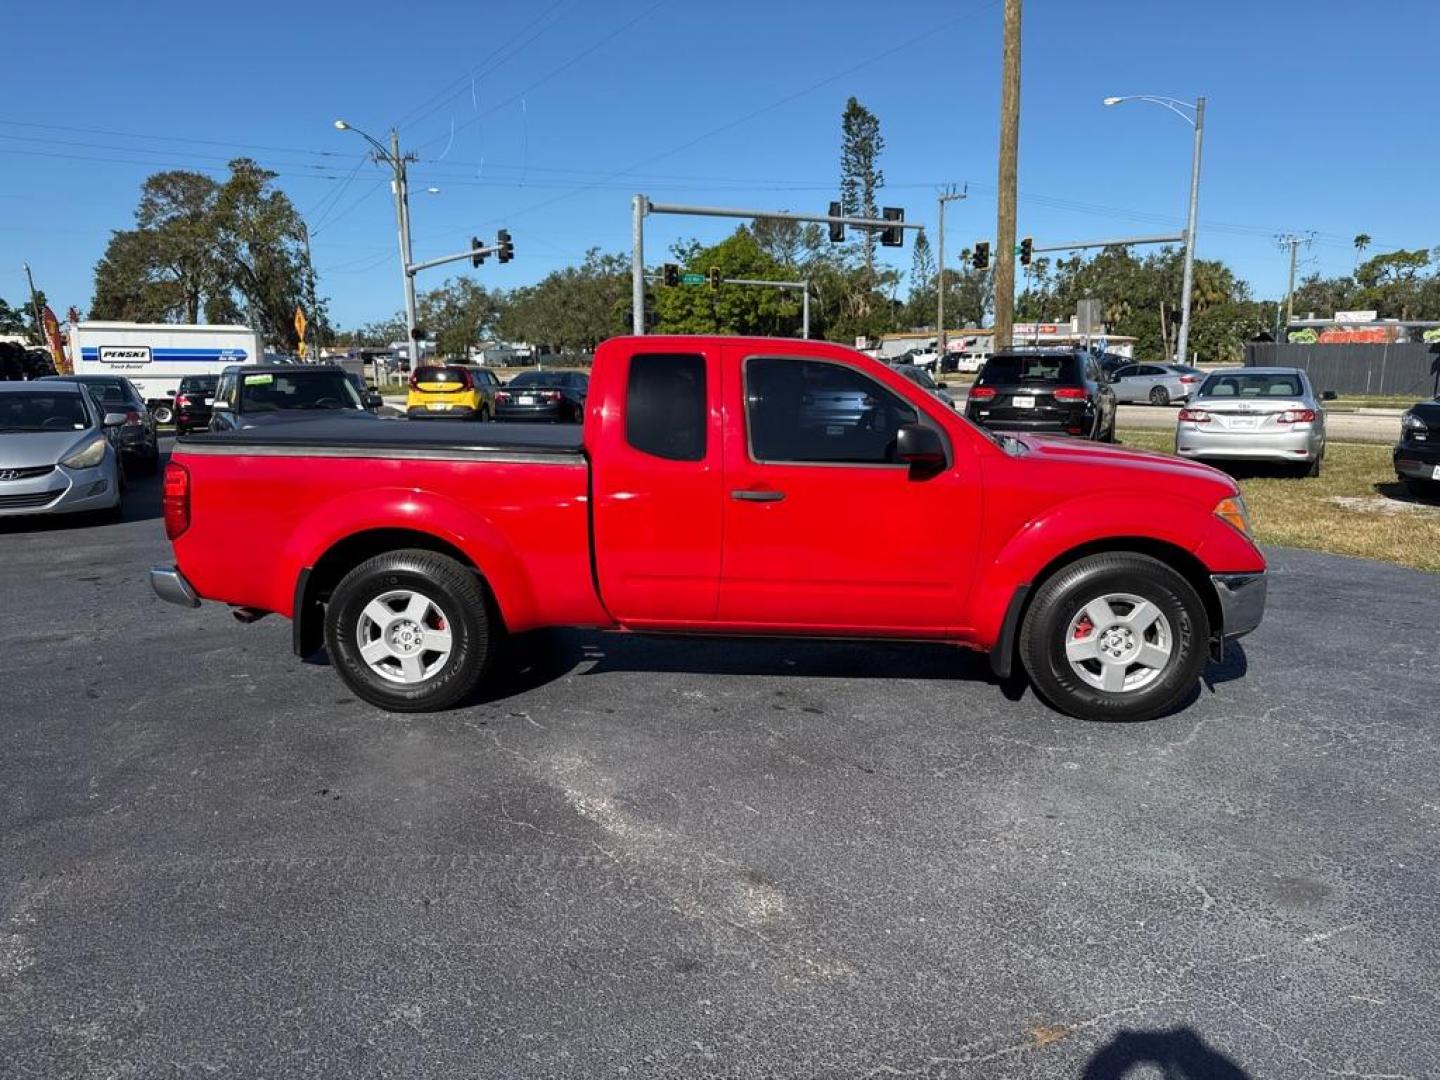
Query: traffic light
pixel 894 236
pixel 1027 249
pixel 670 274
pixel 505 244
pixel 477 250
pixel 714 275
pixel 980 260
pixel 837 230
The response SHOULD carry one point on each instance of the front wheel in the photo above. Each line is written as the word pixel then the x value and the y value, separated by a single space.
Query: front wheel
pixel 410 631
pixel 1116 636
pixel 1159 396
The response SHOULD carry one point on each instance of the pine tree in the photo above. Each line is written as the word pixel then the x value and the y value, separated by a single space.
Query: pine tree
pixel 860 175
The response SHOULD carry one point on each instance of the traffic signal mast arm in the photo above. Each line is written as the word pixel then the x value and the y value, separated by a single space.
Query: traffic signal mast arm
pixel 780 215
pixel 503 247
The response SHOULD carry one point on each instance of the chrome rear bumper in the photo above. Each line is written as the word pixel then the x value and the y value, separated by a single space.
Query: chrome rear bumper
pixel 170 585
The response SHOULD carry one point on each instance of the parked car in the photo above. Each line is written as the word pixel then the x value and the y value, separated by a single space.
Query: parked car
pixel 923 380
pixel 1111 362
pixel 56 454
pixel 193 403
pixel 451 392
pixel 1060 391
pixel 543 395
pixel 370 398
pixel 1417 454
pixel 1158 384
pixel 258 395
pixel 1255 414
pixel 136 438
pixel 693 500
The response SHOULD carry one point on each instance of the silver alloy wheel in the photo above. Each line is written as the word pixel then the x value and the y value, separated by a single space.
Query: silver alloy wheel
pixel 404 636
pixel 1119 643
pixel 162 414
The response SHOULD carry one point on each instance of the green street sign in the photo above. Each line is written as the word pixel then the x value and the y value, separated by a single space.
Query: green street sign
pixel 692 279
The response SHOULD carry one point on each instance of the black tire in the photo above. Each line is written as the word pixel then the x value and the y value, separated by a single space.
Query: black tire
pixel 1062 598
pixel 454 589
pixel 1311 469
pixel 1159 396
pixel 1421 489
pixel 162 414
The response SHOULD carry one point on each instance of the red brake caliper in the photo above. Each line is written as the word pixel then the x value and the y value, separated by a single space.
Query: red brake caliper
pixel 1084 628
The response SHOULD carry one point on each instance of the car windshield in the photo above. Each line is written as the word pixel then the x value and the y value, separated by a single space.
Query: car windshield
pixel 1242 385
pixel 284 390
pixel 1020 368
pixel 42 410
pixel 198 384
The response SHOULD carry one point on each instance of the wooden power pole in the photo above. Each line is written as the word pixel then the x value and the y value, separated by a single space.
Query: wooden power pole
pixel 1009 155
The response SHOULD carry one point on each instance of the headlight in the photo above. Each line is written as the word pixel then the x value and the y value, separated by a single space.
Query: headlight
pixel 1411 422
pixel 1233 510
pixel 88 456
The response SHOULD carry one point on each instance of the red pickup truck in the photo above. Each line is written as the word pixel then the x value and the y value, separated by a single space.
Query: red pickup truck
pixel 720 485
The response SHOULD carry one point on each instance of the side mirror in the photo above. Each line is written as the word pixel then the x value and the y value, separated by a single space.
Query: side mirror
pixel 1329 395
pixel 114 419
pixel 920 447
pixel 372 400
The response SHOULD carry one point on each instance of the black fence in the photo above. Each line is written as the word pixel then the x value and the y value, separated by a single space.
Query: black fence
pixel 1408 370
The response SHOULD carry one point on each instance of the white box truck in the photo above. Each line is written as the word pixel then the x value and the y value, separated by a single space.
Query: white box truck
pixel 156 356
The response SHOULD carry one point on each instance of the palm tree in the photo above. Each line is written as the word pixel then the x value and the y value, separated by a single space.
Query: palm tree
pixel 1362 241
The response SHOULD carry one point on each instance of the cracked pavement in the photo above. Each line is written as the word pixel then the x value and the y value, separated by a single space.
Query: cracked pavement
pixel 640 857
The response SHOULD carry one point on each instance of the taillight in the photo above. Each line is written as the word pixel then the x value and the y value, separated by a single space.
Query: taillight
pixel 502 395
pixel 982 393
pixel 1188 379
pixel 176 499
pixel 182 400
pixel 132 416
pixel 1194 416
pixel 1070 393
pixel 1296 416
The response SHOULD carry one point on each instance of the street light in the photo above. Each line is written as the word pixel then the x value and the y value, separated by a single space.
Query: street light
pixel 1194 115
pixel 393 158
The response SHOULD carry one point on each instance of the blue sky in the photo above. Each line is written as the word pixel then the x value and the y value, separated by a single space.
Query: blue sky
pixel 1321 117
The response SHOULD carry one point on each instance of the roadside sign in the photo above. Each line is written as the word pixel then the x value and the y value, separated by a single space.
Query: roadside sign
pixel 303 350
pixel 299 323
pixel 692 279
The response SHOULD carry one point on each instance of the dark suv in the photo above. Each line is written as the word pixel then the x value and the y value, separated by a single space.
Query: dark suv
pixel 1054 391
pixel 1417 454
pixel 193 401
pixel 259 395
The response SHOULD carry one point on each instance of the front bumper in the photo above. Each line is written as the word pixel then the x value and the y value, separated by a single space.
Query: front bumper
pixel 1242 602
pixel 63 491
pixel 1301 444
pixel 1417 460
pixel 170 585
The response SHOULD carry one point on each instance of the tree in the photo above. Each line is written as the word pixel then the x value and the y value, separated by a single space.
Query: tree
pixel 224 252
pixel 1362 241
pixel 731 309
pixel 921 309
pixel 456 315
pixel 860 175
pixel 574 308
pixel 12 320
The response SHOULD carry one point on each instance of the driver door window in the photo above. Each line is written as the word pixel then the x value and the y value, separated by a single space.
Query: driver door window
pixel 813 412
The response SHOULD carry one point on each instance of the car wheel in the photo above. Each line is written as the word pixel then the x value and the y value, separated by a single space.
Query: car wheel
pixel 1159 396
pixel 162 414
pixel 1116 636
pixel 410 631
pixel 1312 469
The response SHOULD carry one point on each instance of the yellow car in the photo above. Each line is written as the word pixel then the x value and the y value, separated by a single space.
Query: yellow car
pixel 451 392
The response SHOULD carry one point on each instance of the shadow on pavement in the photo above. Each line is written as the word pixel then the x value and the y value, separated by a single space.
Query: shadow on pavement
pixel 1178 1054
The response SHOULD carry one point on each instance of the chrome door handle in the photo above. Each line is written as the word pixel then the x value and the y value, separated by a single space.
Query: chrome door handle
pixel 757 496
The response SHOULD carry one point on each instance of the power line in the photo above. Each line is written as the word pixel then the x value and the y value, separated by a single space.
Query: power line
pixel 170 138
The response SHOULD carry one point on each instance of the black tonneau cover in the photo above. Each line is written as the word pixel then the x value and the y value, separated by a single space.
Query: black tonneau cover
pixel 403 438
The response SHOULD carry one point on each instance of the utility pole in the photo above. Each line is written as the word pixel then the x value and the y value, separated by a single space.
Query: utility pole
pixel 1293 242
pixel 1009 168
pixel 1183 347
pixel 941 345
pixel 35 304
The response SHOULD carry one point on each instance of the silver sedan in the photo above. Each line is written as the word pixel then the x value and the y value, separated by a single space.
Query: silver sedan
pixel 56 452
pixel 1254 414
pixel 1158 384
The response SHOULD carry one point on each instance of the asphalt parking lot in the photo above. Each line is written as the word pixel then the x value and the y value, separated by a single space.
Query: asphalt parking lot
pixel 641 857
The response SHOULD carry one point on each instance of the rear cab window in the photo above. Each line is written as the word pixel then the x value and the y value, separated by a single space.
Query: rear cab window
pixel 665 406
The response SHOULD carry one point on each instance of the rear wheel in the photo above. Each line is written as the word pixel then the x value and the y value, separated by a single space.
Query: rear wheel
pixel 163 414
pixel 1311 469
pixel 410 631
pixel 1116 636
pixel 1159 396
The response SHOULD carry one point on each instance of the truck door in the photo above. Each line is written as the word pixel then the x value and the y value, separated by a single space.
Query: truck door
pixel 656 485
pixel 824 529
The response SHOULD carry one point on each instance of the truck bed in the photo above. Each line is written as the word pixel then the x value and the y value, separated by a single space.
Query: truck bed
pixel 352 437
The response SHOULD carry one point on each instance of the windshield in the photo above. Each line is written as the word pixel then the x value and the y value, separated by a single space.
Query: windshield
pixel 1241 385
pixel 38 410
pixel 281 391
pixel 1016 369
pixel 199 384
pixel 536 378
pixel 455 375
